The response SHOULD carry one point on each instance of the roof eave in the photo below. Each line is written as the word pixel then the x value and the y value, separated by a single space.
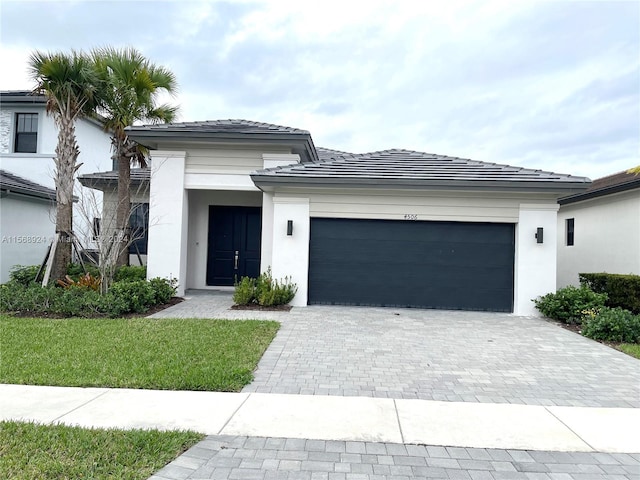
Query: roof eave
pixel 578 197
pixel 272 181
pixel 154 139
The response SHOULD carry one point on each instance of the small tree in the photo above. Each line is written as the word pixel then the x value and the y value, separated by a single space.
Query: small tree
pixel 130 86
pixel 69 83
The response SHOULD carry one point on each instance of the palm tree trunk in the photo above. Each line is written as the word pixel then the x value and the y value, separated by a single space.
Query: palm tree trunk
pixel 123 210
pixel 66 156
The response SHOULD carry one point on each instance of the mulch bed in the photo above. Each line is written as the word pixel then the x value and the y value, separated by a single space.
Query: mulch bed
pixel 275 308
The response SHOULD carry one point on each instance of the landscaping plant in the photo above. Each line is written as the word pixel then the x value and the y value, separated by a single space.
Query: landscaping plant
pixel 264 290
pixel 622 290
pixel 568 304
pixel 612 325
pixel 82 297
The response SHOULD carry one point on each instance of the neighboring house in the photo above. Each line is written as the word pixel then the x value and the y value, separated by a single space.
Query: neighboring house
pixel 107 183
pixel 599 229
pixel 28 139
pixel 27 222
pixel 392 228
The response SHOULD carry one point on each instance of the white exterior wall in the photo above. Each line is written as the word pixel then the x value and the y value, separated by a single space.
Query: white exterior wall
pixel 95 156
pixel 606 237
pixel 427 205
pixel 27 226
pixel 198 240
pixel 535 263
pixel 266 244
pixel 168 207
pixel 290 254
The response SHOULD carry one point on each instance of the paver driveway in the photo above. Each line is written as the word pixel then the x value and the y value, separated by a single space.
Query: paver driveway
pixel 432 355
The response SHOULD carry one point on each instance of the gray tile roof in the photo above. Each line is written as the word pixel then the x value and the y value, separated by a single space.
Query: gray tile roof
pixel 12 183
pixel 406 168
pixel 101 180
pixel 615 183
pixel 235 126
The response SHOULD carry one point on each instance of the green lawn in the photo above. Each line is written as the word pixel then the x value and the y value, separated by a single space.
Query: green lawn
pixel 32 451
pixel 167 354
pixel 632 349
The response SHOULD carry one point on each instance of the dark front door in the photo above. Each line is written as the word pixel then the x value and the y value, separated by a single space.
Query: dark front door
pixel 446 265
pixel 234 244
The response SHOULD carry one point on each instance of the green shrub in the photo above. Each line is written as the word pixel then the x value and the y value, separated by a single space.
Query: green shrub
pixel 568 304
pixel 163 289
pixel 137 295
pixel 81 301
pixel 130 273
pixel 622 290
pixel 264 290
pixel 16 297
pixel 245 291
pixel 613 325
pixel 77 301
pixel 24 275
pixel 280 293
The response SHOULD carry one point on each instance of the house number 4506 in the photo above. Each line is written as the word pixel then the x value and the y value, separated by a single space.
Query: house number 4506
pixel 410 216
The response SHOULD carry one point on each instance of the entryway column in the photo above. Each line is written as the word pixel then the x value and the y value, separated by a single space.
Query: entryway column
pixel 168 218
pixel 290 248
pixel 535 262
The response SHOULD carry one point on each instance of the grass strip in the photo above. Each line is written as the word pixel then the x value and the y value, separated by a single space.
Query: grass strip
pixel 164 354
pixel 33 451
pixel 632 349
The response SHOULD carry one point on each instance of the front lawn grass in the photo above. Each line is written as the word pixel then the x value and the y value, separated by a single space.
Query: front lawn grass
pixel 632 349
pixel 164 354
pixel 33 451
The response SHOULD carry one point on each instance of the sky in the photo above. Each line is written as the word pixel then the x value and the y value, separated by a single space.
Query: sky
pixel 549 85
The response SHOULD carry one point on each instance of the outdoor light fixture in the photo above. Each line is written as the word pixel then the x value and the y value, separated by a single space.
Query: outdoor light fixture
pixel 539 235
pixel 289 227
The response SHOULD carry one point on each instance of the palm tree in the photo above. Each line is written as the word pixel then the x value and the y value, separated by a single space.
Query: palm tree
pixel 130 86
pixel 68 82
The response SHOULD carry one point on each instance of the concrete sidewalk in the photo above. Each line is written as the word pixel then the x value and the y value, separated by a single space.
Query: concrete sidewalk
pixel 451 424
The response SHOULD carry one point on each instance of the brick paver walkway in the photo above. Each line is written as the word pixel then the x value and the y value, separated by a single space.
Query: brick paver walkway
pixel 224 457
pixel 431 355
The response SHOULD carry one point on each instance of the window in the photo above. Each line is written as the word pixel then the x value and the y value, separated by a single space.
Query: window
pixel 26 140
pixel 139 224
pixel 570 231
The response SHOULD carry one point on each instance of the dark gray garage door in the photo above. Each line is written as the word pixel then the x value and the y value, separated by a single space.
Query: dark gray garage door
pixel 447 265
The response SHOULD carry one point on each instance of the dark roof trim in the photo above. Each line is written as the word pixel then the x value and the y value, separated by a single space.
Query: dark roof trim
pixel 109 180
pixel 271 181
pixel 21 96
pixel 25 97
pixel 601 187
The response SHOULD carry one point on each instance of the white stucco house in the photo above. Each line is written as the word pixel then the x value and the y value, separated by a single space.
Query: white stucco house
pixel 28 138
pixel 599 229
pixel 391 228
pixel 27 222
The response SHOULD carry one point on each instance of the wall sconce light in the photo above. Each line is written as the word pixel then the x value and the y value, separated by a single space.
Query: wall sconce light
pixel 289 227
pixel 539 235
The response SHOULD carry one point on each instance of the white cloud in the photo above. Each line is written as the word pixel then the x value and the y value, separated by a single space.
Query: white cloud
pixel 550 85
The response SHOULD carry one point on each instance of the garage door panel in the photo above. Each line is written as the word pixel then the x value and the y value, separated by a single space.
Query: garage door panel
pixel 448 265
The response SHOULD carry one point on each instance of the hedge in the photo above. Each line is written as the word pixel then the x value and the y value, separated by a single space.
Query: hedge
pixel 622 290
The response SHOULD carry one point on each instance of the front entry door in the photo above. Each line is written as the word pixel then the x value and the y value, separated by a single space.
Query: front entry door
pixel 234 244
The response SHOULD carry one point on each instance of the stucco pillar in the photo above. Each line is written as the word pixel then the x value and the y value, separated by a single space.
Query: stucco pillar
pixel 168 218
pixel 290 253
pixel 535 263
pixel 266 252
